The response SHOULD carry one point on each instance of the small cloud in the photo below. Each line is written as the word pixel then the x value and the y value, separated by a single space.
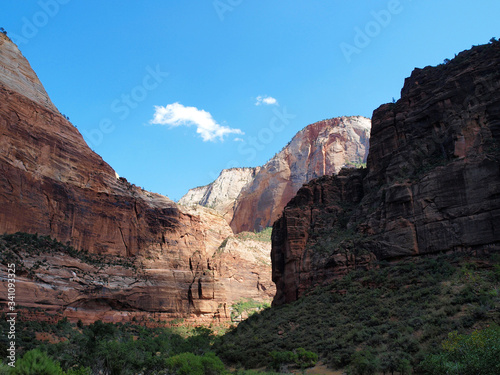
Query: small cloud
pixel 238 140
pixel 178 115
pixel 267 100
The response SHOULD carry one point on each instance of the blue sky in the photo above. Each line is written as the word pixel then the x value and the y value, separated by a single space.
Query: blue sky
pixel 169 93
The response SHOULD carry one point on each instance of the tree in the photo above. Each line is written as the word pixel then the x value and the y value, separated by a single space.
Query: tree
pixel 364 362
pixel 476 353
pixel 36 362
pixel 191 364
pixel 4 369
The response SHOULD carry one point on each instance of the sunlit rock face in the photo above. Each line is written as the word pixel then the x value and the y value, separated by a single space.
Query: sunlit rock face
pixel 222 194
pixel 252 198
pixel 52 183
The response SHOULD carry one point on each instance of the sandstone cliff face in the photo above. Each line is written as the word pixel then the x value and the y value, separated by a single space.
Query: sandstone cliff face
pixel 16 73
pixel 318 149
pixel 201 288
pixel 432 183
pixel 312 224
pixel 222 194
pixel 257 201
pixel 51 183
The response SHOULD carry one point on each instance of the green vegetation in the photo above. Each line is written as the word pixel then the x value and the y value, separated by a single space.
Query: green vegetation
pixel 358 164
pixel 247 306
pixel 300 357
pixel 387 319
pixel 114 348
pixel 394 318
pixel 475 353
pixel 36 362
pixel 191 364
pixel 264 235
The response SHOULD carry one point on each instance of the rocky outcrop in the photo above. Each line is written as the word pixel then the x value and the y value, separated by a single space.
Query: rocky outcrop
pixel 318 149
pixel 222 194
pixel 51 183
pixel 313 224
pixel 432 182
pixel 16 73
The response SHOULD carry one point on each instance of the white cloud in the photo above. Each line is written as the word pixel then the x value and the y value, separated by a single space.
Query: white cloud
pixel 238 140
pixel 178 115
pixel 267 100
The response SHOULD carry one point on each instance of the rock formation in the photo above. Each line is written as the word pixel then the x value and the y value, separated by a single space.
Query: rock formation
pixel 318 149
pixel 432 182
pixel 51 183
pixel 222 194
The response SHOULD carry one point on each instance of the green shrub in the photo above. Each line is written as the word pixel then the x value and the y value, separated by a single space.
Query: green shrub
pixel 305 358
pixel 282 358
pixel 476 353
pixel 364 362
pixel 36 362
pixel 4 369
pixel 191 364
pixel 248 306
pixel 299 357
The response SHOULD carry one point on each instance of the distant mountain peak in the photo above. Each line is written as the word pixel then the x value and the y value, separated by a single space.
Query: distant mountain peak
pixel 253 202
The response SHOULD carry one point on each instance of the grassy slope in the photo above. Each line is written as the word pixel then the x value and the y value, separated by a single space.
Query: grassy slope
pixel 397 313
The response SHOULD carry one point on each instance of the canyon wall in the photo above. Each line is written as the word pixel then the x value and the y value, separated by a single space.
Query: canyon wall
pixel 432 182
pixel 52 183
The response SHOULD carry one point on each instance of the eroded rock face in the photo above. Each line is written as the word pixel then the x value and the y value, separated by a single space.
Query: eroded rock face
pixel 432 184
pixel 257 196
pixel 155 285
pixel 317 215
pixel 51 183
pixel 16 73
pixel 222 194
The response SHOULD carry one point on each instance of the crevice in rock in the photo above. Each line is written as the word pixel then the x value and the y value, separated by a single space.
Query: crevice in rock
pixel 124 243
pixel 190 296
pixel 200 291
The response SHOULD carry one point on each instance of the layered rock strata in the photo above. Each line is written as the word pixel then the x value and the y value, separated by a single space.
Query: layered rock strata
pixel 52 183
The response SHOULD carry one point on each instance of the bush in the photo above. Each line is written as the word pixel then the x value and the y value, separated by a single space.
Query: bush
pixel 4 369
pixel 476 353
pixel 299 357
pixel 36 362
pixel 364 363
pixel 191 364
pixel 282 358
pixel 394 361
pixel 248 306
pixel 306 358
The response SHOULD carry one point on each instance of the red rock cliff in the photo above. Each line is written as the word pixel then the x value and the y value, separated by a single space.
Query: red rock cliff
pixel 432 184
pixel 51 183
